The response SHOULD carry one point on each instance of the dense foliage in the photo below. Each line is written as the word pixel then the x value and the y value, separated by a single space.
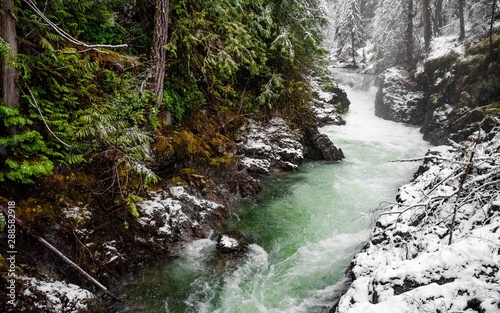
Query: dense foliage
pixel 93 107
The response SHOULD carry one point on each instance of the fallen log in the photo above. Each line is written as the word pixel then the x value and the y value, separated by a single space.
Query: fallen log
pixel 54 250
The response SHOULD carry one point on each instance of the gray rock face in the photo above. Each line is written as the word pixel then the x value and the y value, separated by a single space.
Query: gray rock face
pixel 270 146
pixel 397 98
pixel 273 146
pixel 320 147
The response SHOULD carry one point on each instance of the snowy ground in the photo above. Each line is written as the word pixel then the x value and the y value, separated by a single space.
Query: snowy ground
pixel 416 261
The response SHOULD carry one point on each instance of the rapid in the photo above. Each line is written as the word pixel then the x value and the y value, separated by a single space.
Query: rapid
pixel 307 225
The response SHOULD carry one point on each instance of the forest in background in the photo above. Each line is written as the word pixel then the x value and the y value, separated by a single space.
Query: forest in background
pixel 382 33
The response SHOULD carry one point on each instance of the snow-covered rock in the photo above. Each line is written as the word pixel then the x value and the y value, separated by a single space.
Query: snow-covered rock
pixel 268 146
pixel 54 296
pixel 397 99
pixel 176 214
pixel 327 104
pixel 326 114
pixel 437 249
pixel 231 243
pixel 274 146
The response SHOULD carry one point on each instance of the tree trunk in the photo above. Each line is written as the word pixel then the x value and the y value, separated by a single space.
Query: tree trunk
pixel 437 17
pixel 439 14
pixel 493 7
pixel 10 89
pixel 353 48
pixel 461 18
pixel 409 33
pixel 426 14
pixel 160 40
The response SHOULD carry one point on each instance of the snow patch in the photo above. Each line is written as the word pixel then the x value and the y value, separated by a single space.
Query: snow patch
pixel 174 211
pixel 55 296
pixel 228 242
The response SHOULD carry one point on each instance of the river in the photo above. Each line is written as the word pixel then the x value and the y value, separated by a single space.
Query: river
pixel 307 225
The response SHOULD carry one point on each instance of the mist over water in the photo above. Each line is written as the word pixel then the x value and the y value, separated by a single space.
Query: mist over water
pixel 307 225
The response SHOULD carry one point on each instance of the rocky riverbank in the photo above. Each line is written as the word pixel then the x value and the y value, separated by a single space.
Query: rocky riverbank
pixel 188 206
pixel 436 249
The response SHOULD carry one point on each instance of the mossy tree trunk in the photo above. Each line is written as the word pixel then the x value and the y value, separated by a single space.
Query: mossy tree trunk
pixel 493 7
pixel 10 89
pixel 160 40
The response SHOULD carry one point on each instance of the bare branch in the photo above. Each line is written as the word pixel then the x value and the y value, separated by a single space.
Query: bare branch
pixel 64 34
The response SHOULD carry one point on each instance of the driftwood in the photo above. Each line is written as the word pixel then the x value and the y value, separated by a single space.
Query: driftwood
pixel 63 257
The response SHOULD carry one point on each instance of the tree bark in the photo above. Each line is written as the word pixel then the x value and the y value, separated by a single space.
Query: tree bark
pixel 409 33
pixel 426 14
pixel 493 7
pixel 160 40
pixel 353 48
pixel 461 4
pixel 439 14
pixel 10 90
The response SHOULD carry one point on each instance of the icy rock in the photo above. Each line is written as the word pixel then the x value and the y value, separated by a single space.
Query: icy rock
pixel 397 99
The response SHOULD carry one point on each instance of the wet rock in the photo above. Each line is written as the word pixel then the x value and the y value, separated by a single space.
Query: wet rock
pixel 320 147
pixel 398 98
pixel 339 98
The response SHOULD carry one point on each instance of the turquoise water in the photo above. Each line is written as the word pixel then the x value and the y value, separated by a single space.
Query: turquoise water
pixel 307 226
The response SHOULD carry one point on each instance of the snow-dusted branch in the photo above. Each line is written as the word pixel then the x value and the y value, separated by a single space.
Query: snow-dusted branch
pixel 64 34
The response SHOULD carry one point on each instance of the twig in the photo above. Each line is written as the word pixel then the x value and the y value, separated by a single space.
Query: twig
pixel 37 107
pixel 427 158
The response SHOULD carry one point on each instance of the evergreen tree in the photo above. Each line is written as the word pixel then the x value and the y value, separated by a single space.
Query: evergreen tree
pixel 350 29
pixel 388 36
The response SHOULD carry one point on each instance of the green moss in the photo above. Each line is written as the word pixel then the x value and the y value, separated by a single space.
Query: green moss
pixel 484 46
pixel 177 181
pixel 4 266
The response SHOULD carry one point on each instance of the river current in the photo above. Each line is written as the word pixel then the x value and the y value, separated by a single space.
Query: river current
pixel 307 225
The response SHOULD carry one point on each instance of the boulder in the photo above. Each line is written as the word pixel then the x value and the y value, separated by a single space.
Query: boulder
pixel 320 147
pixel 398 98
pixel 231 242
pixel 269 147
